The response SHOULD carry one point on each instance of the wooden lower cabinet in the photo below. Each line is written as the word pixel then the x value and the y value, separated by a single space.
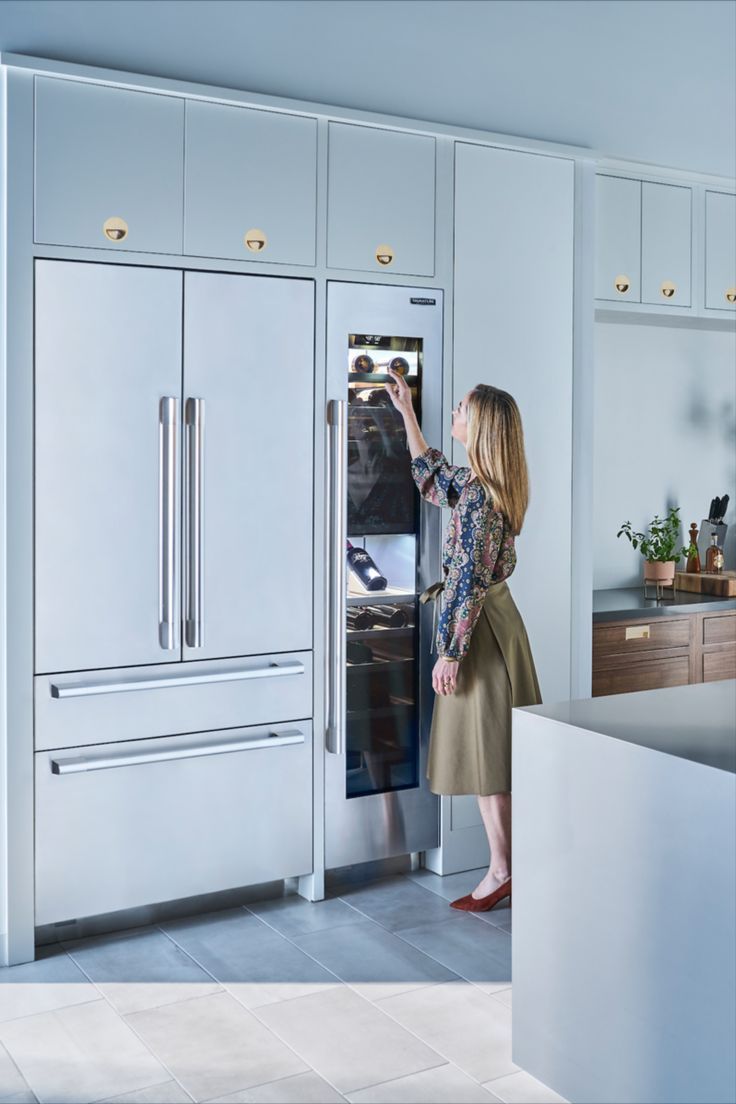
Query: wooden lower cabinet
pixel 673 650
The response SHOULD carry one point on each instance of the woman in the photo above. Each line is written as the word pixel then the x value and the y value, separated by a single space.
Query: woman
pixel 484 661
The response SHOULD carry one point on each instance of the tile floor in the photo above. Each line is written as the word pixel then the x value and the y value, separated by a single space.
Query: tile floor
pixel 380 993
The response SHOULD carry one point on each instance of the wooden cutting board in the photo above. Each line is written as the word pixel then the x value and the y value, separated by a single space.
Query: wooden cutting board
pixel 722 585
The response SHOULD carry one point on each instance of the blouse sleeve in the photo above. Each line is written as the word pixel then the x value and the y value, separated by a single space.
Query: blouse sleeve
pixel 468 579
pixel 438 481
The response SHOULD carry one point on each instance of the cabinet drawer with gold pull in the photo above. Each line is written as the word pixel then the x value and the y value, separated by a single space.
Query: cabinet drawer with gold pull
pixel 621 636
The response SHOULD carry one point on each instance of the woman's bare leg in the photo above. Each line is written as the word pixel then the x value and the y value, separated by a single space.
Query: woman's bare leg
pixel 495 811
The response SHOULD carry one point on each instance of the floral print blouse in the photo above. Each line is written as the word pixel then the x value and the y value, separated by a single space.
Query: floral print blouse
pixel 478 550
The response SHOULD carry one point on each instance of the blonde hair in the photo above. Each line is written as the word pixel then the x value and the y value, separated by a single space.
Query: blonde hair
pixel 496 451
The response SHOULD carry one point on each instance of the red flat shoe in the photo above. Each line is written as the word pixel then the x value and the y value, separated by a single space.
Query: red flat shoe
pixel 469 903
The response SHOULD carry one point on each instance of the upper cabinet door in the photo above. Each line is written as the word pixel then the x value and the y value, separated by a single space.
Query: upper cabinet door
pixel 249 361
pixel 666 236
pixel 381 199
pixel 720 251
pixel 618 239
pixel 107 483
pixel 109 167
pixel 251 184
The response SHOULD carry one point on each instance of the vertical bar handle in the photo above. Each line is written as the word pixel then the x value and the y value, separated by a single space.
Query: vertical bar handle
pixel 336 666
pixel 194 421
pixel 167 621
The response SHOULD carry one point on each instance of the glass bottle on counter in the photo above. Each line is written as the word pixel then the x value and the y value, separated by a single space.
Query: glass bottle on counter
pixel 714 556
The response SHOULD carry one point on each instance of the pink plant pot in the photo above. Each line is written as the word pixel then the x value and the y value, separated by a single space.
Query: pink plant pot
pixel 657 571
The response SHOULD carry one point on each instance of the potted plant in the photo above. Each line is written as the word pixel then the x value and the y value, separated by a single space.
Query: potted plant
pixel 659 546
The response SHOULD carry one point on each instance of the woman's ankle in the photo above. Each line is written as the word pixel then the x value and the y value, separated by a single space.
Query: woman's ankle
pixel 501 874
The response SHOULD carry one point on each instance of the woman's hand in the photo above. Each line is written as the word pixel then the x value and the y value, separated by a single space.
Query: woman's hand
pixel 444 676
pixel 400 393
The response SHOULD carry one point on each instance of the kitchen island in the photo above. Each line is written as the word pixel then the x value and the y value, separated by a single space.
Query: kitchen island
pixel 624 842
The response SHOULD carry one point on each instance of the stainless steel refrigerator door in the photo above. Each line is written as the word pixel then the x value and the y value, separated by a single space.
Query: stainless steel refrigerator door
pixel 107 470
pixel 378 825
pixel 249 497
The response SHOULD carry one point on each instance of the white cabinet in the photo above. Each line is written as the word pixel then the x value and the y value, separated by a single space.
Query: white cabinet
pixel 109 167
pixel 720 251
pixel 666 236
pixel 251 184
pixel 618 239
pixel 381 200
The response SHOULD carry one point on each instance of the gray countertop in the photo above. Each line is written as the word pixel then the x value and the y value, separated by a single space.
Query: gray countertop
pixel 696 722
pixel 626 602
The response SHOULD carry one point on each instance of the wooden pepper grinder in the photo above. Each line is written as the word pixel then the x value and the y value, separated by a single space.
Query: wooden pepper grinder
pixel 693 556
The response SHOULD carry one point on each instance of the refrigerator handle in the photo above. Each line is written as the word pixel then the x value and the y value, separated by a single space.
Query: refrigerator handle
pixel 194 421
pixel 337 421
pixel 167 622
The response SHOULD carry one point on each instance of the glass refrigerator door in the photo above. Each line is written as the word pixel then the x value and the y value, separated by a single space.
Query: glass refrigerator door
pixel 382 729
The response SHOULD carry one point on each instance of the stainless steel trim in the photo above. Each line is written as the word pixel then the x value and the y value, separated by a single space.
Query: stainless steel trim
pixel 79 763
pixel 337 421
pixel 167 626
pixel 85 689
pixel 194 420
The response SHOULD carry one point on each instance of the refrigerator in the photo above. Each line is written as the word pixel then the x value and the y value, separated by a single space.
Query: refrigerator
pixel 378 673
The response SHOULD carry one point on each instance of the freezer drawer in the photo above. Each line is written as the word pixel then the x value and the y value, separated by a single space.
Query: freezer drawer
pixel 144 822
pixel 135 703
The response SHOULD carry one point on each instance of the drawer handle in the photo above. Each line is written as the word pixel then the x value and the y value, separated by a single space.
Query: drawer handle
pixel 85 689
pixel 637 632
pixel 384 255
pixel 622 284
pixel 79 763
pixel 255 240
pixel 731 295
pixel 115 229
pixel 668 289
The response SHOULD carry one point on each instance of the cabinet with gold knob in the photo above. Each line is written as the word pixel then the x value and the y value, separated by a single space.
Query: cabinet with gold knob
pixel 109 166
pixel 720 251
pixel 618 239
pixel 381 200
pixel 250 184
pixel 666 237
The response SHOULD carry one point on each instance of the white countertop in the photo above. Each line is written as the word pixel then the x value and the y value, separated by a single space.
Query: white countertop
pixel 696 722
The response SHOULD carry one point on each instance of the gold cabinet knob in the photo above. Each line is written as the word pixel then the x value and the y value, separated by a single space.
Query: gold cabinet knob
pixel 115 229
pixel 255 240
pixel 622 284
pixel 731 294
pixel 668 289
pixel 384 255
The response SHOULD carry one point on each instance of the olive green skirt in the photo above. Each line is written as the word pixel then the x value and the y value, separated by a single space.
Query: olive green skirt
pixel 470 737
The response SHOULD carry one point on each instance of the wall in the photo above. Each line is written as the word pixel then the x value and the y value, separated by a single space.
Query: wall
pixel 644 80
pixel 664 433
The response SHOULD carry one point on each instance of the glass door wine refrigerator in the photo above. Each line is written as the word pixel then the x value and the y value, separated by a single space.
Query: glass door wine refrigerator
pixel 384 550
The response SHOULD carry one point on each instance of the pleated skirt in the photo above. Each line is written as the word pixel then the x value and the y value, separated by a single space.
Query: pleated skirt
pixel 470 735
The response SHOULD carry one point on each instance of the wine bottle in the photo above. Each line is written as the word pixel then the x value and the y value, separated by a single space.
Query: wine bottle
pixel 365 570
pixel 392 616
pixel 356 652
pixel 359 618
pixel 362 363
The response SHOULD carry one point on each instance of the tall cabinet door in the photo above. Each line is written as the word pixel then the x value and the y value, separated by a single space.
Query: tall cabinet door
pixel 248 454
pixel 107 486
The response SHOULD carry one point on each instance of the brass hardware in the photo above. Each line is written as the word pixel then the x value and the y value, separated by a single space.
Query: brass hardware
pixel 622 284
pixel 255 240
pixel 637 632
pixel 668 289
pixel 384 255
pixel 115 229
pixel 731 294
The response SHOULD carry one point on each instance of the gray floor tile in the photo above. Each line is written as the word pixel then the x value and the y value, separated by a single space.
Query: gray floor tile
pixel 52 981
pixel 78 1054
pixel 444 1085
pixel 213 1046
pixel 347 1039
pixel 168 1093
pixel 372 960
pixel 141 969
pixel 398 903
pixel 295 916
pixel 25 1097
pixel 450 886
pixel 461 1024
pixel 504 995
pixel 481 953
pixel 499 916
pixel 248 957
pixel 305 1088
pixel 522 1088
pixel 11 1079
